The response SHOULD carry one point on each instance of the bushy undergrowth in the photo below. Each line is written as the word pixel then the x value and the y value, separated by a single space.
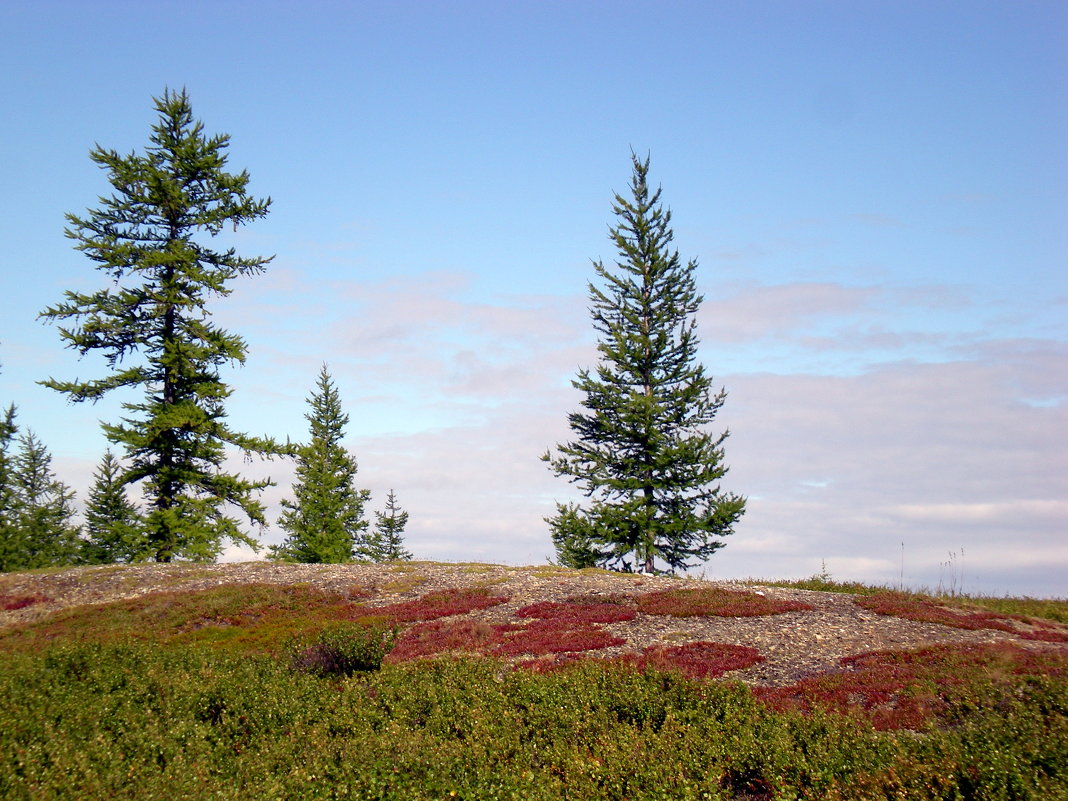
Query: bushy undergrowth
pixel 344 648
pixel 147 721
pixel 196 695
pixel 915 689
pixel 948 612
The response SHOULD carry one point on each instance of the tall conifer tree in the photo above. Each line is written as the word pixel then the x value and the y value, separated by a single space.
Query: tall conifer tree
pixel 152 238
pixel 642 453
pixel 325 521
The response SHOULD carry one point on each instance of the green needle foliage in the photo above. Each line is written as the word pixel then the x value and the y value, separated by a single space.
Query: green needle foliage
pixel 326 521
pixel 113 528
pixel 8 522
pixel 386 542
pixel 39 531
pixel 152 239
pixel 642 452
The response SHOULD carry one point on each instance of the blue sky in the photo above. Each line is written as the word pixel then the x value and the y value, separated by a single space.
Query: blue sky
pixel 874 191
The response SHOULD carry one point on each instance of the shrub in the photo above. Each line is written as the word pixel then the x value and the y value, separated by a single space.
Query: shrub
pixel 169 722
pixel 442 636
pixel 552 637
pixel 929 610
pixel 441 603
pixel 708 601
pixel 536 637
pixel 344 649
pixel 908 689
pixel 695 660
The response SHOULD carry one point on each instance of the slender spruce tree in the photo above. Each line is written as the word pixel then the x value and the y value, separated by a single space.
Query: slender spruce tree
pixel 114 531
pixel 153 237
pixel 43 533
pixel 9 539
pixel 325 521
pixel 386 542
pixel 642 451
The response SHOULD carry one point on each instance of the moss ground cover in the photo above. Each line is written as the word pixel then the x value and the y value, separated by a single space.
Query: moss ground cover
pixel 247 617
pixel 1047 608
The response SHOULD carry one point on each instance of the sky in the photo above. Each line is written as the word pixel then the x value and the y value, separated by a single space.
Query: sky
pixel 876 194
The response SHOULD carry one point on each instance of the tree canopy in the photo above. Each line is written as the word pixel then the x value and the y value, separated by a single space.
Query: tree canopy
pixel 325 521
pixel 386 541
pixel 642 451
pixel 152 237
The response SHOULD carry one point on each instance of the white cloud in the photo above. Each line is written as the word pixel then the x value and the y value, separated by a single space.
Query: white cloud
pixel 453 399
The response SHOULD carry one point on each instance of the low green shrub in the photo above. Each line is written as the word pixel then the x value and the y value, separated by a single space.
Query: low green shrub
pixel 344 648
pixel 174 722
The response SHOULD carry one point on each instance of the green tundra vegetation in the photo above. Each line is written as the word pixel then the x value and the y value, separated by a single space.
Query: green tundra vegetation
pixel 272 691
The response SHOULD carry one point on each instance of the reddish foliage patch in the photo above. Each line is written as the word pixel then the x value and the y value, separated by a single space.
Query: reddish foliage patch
pixel 509 639
pixel 552 637
pixel 11 602
pixel 441 603
pixel 578 612
pixel 442 636
pixel 924 610
pixel 696 660
pixel 905 689
pixel 708 601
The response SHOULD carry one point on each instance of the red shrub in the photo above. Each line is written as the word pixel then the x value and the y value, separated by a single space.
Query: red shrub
pixel 441 603
pixel 551 637
pixel 11 602
pixel 578 612
pixel 708 601
pixel 925 610
pixel 442 636
pixel 697 660
pixel 904 689
pixel 510 639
